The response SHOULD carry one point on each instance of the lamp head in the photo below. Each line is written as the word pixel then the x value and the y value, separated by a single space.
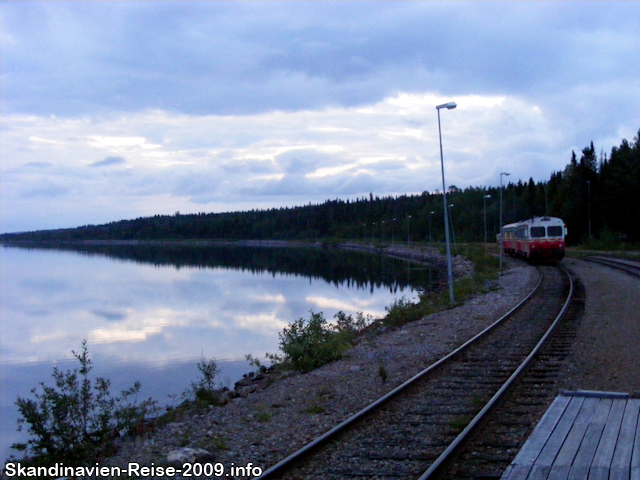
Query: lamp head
pixel 450 106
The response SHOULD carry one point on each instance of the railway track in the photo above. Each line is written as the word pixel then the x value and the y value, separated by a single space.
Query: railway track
pixel 632 267
pixel 496 444
pixel 415 430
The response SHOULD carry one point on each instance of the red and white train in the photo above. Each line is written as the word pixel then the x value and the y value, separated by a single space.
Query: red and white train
pixel 540 239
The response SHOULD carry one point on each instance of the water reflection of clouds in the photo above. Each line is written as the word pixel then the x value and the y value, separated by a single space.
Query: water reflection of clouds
pixel 364 305
pixel 148 313
pixel 138 326
pixel 141 318
pixel 265 323
pixel 279 298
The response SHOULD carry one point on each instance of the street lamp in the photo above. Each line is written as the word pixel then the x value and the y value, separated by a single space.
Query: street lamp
pixel 453 230
pixel 500 246
pixel 484 204
pixel 448 106
pixel 393 232
pixel 430 217
pixel 408 225
pixel 589 192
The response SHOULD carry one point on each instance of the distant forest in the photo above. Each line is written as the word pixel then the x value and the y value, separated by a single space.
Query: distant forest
pixel 598 197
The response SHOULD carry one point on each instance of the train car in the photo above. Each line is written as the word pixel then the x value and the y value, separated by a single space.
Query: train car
pixel 540 239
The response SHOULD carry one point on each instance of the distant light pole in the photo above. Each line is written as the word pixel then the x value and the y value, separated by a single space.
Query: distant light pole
pixel 589 192
pixel 364 233
pixel 381 233
pixel 373 227
pixel 453 231
pixel 408 237
pixel 430 217
pixel 448 106
pixel 484 204
pixel 500 246
pixel 393 232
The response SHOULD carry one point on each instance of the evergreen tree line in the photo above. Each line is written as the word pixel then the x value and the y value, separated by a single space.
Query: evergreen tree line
pixel 598 197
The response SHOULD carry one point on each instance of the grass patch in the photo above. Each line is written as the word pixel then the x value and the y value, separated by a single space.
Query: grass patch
pixel 314 409
pixel 307 344
pixel 485 271
pixel 261 414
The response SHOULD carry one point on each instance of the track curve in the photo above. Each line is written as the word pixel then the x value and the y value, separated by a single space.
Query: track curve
pixel 410 432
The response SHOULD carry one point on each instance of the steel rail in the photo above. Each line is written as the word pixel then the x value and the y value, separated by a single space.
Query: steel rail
pixel 630 267
pixel 297 455
pixel 458 442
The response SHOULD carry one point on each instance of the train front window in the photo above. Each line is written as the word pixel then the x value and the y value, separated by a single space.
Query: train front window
pixel 537 232
pixel 555 231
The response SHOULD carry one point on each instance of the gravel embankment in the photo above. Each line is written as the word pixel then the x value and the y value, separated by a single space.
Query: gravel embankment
pixel 606 353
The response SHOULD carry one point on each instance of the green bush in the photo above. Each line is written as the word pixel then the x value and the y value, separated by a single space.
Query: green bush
pixel 77 421
pixel 205 391
pixel 403 311
pixel 349 327
pixel 485 270
pixel 309 344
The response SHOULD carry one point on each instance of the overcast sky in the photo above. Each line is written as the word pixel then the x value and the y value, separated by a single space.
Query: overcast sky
pixel 117 110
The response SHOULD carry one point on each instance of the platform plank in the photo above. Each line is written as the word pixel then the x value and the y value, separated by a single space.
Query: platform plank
pixel 583 435
pixel 601 463
pixel 582 462
pixel 563 461
pixel 621 462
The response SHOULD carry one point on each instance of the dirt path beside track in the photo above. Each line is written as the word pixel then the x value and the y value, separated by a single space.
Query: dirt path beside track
pixel 606 352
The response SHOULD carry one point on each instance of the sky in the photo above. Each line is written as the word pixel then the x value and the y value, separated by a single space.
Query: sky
pixel 117 110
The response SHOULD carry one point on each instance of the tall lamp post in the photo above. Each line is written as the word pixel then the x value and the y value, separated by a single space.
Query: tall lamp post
pixel 393 232
pixel 589 192
pixel 448 106
pixel 430 217
pixel 484 201
pixel 408 236
pixel 500 246
pixel 453 230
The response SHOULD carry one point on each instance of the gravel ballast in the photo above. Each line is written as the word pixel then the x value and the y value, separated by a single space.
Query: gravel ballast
pixel 606 353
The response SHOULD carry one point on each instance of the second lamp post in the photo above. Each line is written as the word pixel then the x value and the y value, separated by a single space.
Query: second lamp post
pixel 448 106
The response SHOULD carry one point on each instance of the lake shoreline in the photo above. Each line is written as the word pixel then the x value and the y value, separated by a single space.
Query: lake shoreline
pixel 54 282
pixel 422 254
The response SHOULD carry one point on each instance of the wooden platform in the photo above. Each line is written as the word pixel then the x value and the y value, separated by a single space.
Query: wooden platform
pixel 583 435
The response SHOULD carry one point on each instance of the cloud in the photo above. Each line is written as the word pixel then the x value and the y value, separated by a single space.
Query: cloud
pixel 37 164
pixel 44 189
pixel 191 163
pixel 108 162
pixel 229 106
pixel 237 58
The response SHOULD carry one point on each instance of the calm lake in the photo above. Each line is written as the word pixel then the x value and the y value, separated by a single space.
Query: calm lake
pixel 149 312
